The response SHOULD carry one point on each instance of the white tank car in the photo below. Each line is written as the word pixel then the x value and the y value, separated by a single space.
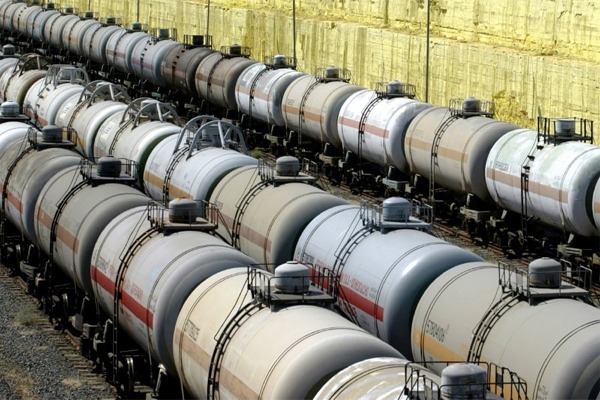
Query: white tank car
pixel 384 127
pixel 27 179
pixel 381 378
pixel 86 113
pixel 58 27
pixel 16 83
pixel 462 146
pixel 10 15
pixel 552 343
pixel 562 180
pixel 186 173
pixel 147 59
pixel 381 274
pixel 21 16
pixel 74 33
pixel 48 26
pixel 119 48
pixel 158 277
pixel 259 92
pixel 37 25
pixel 6 64
pixel 80 221
pixel 217 76
pixel 95 40
pixel 311 107
pixel 264 217
pixel 133 133
pixel 46 97
pixel 282 354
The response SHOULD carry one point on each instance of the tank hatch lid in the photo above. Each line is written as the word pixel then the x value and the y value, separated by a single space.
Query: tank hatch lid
pixel 541 282
pixel 285 170
pixel 183 215
pixel 52 137
pixel 292 283
pixel 396 213
pixel 109 169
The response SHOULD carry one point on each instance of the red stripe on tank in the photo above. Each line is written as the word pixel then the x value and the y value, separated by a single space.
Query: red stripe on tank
pixel 136 308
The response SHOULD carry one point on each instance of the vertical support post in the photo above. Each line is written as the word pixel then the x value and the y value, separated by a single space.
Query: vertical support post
pixel 207 18
pixel 294 29
pixel 427 52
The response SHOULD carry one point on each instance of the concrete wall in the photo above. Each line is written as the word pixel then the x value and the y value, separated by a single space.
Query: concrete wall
pixel 531 57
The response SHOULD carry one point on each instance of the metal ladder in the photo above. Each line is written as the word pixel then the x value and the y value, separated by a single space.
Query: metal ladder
pixel 483 329
pixel 361 130
pixel 223 340
pixel 437 138
pixel 240 211
pixel 175 158
pixel 303 101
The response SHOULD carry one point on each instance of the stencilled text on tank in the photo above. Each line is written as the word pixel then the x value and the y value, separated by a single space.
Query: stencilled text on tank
pixel 436 331
pixel 191 330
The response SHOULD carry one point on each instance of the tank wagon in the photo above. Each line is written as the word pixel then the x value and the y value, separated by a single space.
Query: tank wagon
pixel 265 210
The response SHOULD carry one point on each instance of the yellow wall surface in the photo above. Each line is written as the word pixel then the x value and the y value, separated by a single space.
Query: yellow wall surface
pixel 530 57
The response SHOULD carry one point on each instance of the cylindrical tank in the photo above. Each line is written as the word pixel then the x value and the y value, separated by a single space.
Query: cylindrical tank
pixel 28 178
pixel 379 378
pixel 159 277
pixel 384 128
pixel 134 143
pixel 462 150
pixel 95 41
pixel 277 347
pixel 263 99
pixel 50 99
pixel 193 177
pixel 565 333
pixel 23 16
pixel 10 16
pixel 9 132
pixel 6 65
pixel 74 33
pixel 58 27
pixel 312 108
pixel 270 219
pixel 217 76
pixel 119 48
pixel 504 166
pixel 19 84
pixel 148 57
pixel 179 67
pixel 382 297
pixel 37 27
pixel 87 212
pixel 89 119
pixel 49 27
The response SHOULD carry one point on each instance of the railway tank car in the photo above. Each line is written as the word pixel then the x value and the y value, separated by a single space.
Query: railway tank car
pixel 264 208
pixel 380 296
pixel 190 164
pixel 373 124
pixel 311 104
pixel 449 145
pixel 529 310
pixel 560 180
pixel 149 260
pixel 274 356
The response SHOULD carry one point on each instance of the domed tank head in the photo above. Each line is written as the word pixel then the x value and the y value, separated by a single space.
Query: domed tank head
pixel 235 49
pixel 292 278
pixel 183 211
pixel 197 40
pixel 332 72
pixel 396 209
pixel 52 133
pixel 393 87
pixel 279 60
pixel 565 127
pixel 109 167
pixel 163 33
pixel 287 166
pixel 471 104
pixel 463 381
pixel 545 273
pixel 9 109
pixel 9 50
